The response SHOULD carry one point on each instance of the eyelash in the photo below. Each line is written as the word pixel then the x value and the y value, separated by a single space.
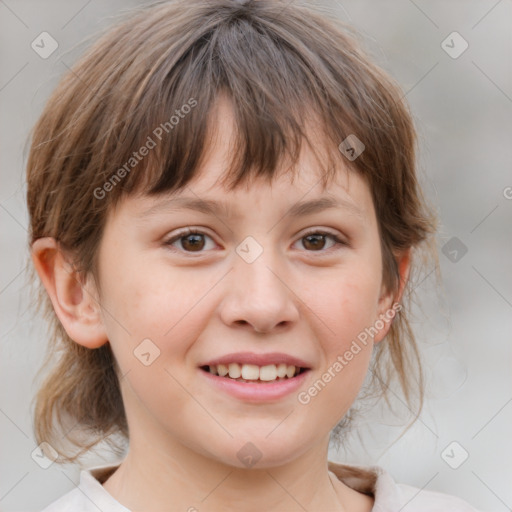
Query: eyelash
pixel 338 241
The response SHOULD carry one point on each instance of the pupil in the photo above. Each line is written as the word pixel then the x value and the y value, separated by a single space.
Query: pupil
pixel 196 241
pixel 315 244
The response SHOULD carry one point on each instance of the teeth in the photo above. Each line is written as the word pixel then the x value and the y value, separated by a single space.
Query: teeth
pixel 281 370
pixel 266 373
pixel 222 369
pixel 234 370
pixel 250 372
pixel 290 371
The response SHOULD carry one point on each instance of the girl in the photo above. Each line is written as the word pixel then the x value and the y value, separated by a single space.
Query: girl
pixel 225 214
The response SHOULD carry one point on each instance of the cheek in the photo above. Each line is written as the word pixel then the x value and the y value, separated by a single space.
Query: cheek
pixel 345 303
pixel 155 302
pixel 154 317
pixel 344 306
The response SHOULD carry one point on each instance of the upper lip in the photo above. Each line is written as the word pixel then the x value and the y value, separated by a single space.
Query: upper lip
pixel 257 359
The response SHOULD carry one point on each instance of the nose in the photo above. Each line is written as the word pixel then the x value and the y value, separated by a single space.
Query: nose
pixel 260 296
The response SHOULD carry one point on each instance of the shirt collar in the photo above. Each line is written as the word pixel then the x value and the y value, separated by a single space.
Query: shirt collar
pixel 371 480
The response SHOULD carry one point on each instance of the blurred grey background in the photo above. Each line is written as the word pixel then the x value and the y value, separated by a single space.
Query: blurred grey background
pixel 461 99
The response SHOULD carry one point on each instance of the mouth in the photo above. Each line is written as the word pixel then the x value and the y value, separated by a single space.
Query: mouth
pixel 250 373
pixel 250 383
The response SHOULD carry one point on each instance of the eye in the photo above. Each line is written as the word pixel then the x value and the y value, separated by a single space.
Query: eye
pixel 191 240
pixel 315 240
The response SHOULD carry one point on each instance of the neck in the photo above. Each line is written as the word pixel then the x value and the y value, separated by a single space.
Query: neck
pixel 151 478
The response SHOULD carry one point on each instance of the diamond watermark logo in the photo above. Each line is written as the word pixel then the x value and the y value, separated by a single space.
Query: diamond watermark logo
pixel 249 455
pixel 44 455
pixel 454 45
pixel 454 249
pixel 351 147
pixel 249 249
pixel 146 352
pixel 44 45
pixel 454 455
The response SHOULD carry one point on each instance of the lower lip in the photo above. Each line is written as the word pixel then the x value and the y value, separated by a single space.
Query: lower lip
pixel 254 392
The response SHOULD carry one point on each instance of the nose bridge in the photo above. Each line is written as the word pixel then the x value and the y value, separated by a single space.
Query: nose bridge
pixel 258 293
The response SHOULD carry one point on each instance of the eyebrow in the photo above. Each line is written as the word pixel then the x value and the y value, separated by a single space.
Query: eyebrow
pixel 220 208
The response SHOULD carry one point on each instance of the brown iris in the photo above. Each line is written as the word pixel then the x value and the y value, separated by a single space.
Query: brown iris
pixel 314 239
pixel 192 242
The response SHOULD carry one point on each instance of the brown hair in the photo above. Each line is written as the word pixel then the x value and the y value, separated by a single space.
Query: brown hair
pixel 271 60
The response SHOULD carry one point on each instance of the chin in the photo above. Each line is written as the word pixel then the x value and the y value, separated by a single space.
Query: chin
pixel 262 452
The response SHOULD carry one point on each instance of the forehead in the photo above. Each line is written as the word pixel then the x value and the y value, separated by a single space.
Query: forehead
pixel 315 181
pixel 302 195
pixel 315 170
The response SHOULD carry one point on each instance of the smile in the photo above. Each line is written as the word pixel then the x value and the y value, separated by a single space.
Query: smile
pixel 254 373
pixel 256 391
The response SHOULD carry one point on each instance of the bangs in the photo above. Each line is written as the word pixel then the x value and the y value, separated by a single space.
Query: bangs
pixel 281 93
pixel 138 112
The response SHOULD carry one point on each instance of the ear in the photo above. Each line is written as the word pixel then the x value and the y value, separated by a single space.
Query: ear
pixel 389 301
pixel 74 302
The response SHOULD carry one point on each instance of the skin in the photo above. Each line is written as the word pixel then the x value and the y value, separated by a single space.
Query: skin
pixel 311 303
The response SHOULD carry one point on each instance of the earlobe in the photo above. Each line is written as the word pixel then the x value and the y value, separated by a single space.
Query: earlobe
pixel 74 302
pixel 389 302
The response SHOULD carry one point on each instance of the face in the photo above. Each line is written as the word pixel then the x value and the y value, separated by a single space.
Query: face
pixel 252 280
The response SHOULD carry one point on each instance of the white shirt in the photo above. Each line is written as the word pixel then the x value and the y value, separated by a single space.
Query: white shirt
pixel 91 496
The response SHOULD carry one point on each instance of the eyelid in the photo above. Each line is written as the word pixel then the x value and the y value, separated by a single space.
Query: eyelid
pixel 338 239
pixel 323 231
pixel 191 230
